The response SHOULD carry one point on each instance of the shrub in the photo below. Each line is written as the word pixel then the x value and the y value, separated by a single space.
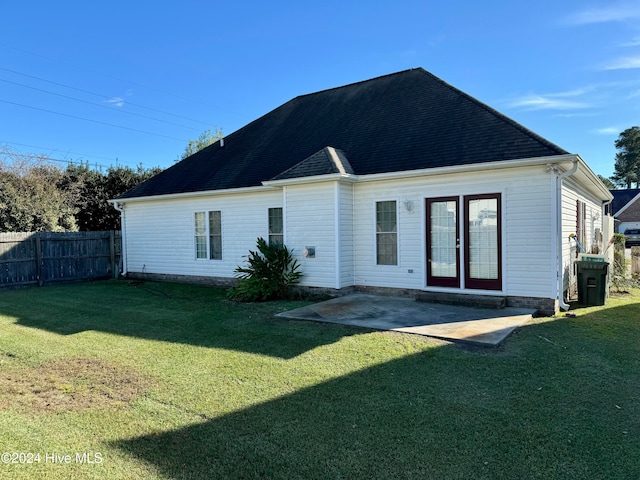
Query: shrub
pixel 270 273
pixel 619 278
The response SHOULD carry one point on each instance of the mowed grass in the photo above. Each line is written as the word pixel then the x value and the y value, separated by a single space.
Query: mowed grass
pixel 174 381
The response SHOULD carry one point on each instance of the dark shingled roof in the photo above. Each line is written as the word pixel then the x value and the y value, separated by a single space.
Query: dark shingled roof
pixel 326 161
pixel 404 121
pixel 622 197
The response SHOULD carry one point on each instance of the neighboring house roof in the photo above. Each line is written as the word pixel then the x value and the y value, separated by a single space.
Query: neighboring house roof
pixel 405 121
pixel 622 199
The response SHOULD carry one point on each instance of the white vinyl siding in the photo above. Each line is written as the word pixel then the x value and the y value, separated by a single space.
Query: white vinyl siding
pixel 526 227
pixel 160 233
pixel 311 222
pixel 590 225
pixel 339 221
pixel 345 245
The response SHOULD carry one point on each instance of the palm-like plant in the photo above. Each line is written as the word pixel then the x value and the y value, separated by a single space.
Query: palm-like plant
pixel 269 274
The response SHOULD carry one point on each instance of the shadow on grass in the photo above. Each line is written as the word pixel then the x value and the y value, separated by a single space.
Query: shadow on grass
pixel 188 314
pixel 558 400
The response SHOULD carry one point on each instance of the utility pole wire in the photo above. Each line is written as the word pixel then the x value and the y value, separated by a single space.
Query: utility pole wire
pixel 102 96
pixel 93 121
pixel 69 152
pixel 96 104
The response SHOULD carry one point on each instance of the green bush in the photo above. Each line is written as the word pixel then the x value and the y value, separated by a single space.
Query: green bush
pixel 270 273
pixel 619 278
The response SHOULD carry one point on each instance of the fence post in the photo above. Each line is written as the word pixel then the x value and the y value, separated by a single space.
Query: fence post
pixel 112 252
pixel 39 261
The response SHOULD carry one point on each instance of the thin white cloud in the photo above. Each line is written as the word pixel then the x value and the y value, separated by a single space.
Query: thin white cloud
pixel 611 13
pixel 116 101
pixel 573 115
pixel 608 131
pixel 551 101
pixel 633 43
pixel 624 63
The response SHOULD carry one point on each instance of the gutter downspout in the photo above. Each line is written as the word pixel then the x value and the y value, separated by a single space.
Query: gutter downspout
pixel 559 264
pixel 123 247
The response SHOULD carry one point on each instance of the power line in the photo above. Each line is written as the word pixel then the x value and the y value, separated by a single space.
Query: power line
pixel 112 77
pixel 93 121
pixel 54 149
pixel 95 104
pixel 101 95
pixel 77 161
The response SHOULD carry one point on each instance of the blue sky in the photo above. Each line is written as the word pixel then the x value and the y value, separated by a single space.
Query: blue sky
pixel 135 80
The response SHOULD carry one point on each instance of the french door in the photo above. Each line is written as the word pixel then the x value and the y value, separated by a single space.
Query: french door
pixel 443 242
pixel 481 242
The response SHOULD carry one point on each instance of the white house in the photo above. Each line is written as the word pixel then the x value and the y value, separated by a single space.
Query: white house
pixel 397 184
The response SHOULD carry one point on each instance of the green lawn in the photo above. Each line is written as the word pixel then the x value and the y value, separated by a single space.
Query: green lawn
pixel 173 381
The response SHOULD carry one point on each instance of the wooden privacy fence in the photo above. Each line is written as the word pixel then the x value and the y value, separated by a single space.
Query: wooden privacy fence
pixel 45 257
pixel 635 260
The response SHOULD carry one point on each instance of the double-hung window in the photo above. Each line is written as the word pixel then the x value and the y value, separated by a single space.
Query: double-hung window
pixel 386 233
pixel 276 227
pixel 208 234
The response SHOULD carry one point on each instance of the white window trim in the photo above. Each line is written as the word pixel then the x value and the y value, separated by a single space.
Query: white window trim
pixel 284 226
pixel 375 233
pixel 207 235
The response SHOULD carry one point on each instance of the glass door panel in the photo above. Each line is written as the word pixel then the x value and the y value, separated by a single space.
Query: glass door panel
pixel 482 237
pixel 443 242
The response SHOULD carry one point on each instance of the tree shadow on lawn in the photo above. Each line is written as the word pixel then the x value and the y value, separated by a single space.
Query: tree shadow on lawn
pixel 542 406
pixel 188 314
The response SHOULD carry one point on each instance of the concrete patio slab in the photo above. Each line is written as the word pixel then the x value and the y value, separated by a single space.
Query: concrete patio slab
pixel 450 322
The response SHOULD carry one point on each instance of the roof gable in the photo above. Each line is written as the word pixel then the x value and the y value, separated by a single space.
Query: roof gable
pixel 622 199
pixel 409 120
pixel 326 161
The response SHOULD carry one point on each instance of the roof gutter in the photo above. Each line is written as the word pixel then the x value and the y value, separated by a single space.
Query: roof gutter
pixel 472 167
pixel 204 193
pixel 330 177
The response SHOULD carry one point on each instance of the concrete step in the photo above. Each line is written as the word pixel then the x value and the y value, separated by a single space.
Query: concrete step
pixel 468 300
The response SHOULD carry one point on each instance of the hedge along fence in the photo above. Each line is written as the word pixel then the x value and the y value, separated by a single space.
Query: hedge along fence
pixel 46 257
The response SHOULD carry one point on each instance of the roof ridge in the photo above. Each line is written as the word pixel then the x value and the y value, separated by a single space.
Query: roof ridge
pixel 360 82
pixel 340 160
pixel 531 134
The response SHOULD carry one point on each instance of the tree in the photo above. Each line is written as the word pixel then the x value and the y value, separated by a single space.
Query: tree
pixel 627 166
pixel 607 182
pixel 85 187
pixel 38 196
pixel 90 190
pixel 119 180
pixel 204 140
pixel 30 200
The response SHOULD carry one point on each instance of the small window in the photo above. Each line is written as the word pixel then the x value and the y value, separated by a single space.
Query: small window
pixel 215 235
pixel 201 235
pixel 276 227
pixel 208 234
pixel 386 233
